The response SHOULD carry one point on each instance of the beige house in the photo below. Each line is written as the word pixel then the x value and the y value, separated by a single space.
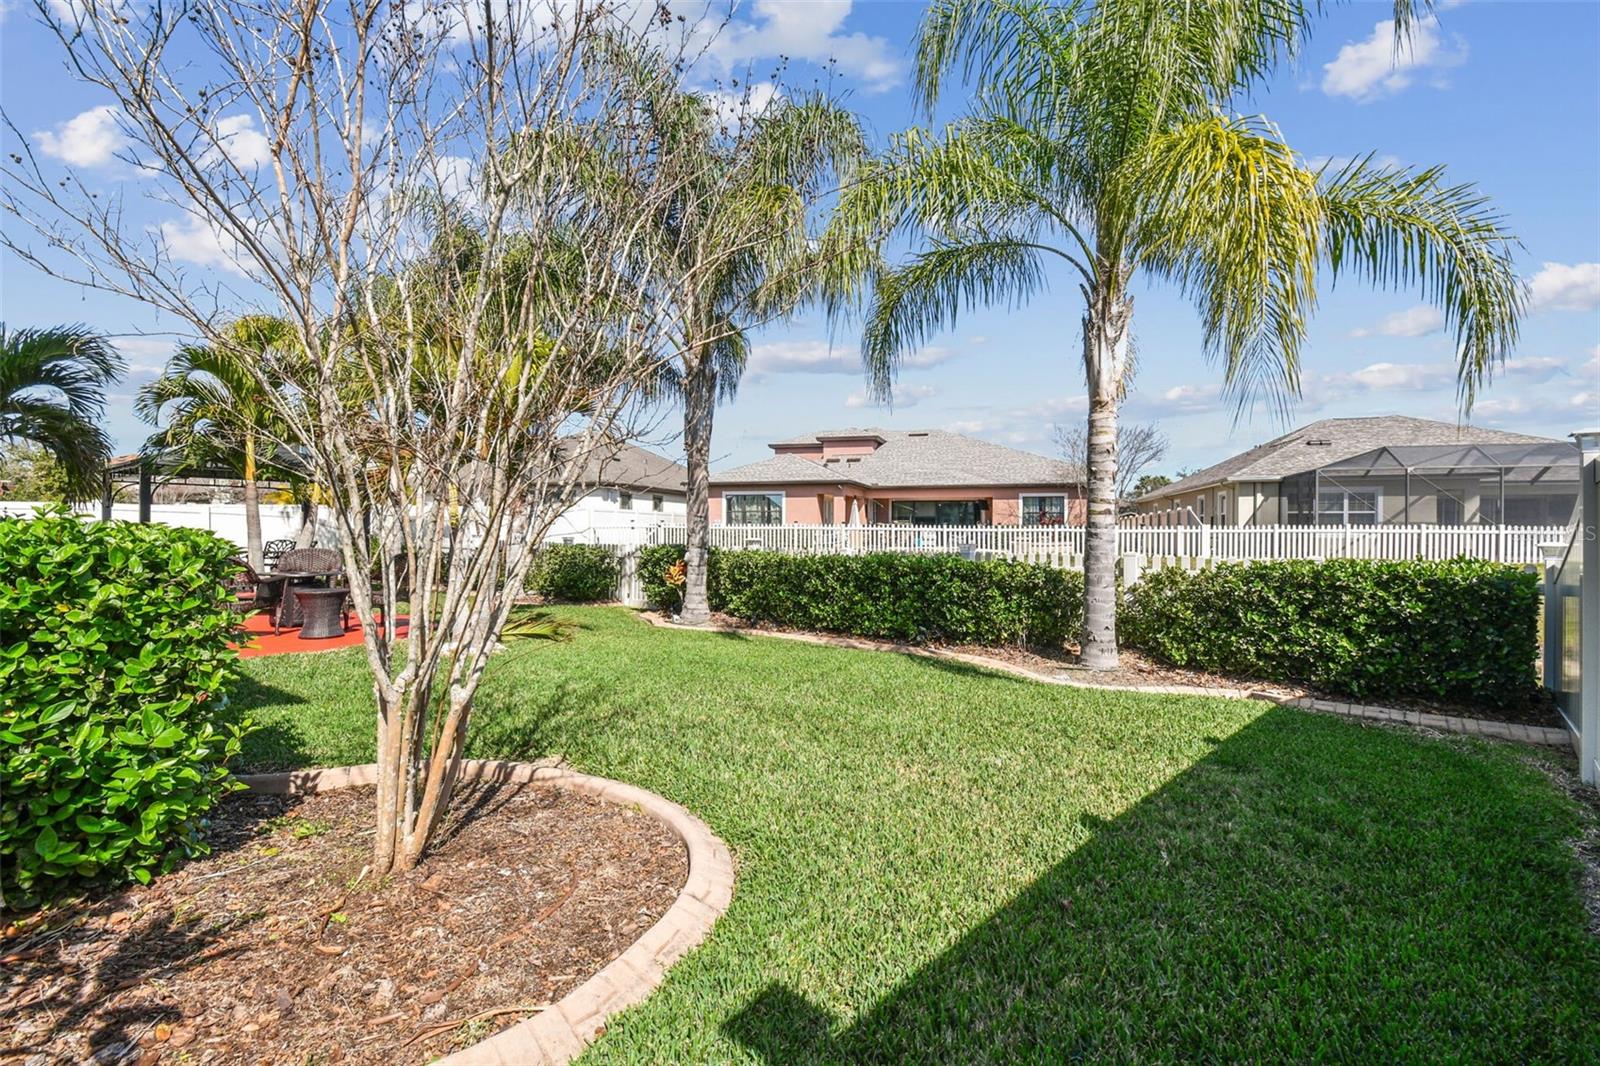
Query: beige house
pixel 1381 470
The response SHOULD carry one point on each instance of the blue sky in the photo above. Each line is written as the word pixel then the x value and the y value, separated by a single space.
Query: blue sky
pixel 1507 95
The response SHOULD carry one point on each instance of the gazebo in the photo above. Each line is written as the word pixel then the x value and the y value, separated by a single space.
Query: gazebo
pixel 148 470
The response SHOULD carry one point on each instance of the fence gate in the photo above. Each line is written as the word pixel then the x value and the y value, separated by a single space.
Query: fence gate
pixel 1572 614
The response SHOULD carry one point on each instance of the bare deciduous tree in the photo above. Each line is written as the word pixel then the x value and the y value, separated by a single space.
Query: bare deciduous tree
pixel 1138 447
pixel 414 200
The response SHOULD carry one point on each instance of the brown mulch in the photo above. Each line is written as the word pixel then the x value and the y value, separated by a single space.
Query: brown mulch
pixel 276 948
pixel 1138 669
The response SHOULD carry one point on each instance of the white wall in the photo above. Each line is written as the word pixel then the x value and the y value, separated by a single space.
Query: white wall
pixel 278 521
pixel 596 517
pixel 599 516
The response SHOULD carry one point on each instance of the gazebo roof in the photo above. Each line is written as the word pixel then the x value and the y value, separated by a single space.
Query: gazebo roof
pixel 169 465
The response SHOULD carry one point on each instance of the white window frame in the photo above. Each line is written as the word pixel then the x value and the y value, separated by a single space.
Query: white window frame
pixel 1344 510
pixel 1222 507
pixel 658 502
pixel 783 503
pixel 624 500
pixel 1066 502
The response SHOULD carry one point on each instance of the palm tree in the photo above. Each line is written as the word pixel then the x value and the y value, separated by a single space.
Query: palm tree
pixel 52 392
pixel 732 247
pixel 1100 141
pixel 217 411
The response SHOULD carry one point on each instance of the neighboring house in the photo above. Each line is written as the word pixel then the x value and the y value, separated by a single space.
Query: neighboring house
pixel 913 477
pixel 625 487
pixel 1381 470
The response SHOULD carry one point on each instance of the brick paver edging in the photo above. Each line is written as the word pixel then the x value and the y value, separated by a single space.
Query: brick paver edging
pixel 559 1033
pixel 1445 723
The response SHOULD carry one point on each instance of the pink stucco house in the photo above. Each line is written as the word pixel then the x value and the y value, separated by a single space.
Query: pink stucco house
pixel 914 477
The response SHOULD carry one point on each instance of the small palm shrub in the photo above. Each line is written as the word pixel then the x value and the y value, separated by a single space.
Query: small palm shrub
pixel 889 595
pixel 1464 630
pixel 574 573
pixel 114 664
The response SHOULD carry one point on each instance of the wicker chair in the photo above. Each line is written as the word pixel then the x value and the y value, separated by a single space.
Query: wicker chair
pixel 309 561
pixel 249 594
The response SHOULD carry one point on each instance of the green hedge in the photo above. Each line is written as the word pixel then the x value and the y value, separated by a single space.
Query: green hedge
pixel 889 595
pixel 576 573
pixel 114 661
pixel 1464 631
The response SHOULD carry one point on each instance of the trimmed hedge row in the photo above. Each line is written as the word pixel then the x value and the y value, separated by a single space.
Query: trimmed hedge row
pixel 894 596
pixel 1464 631
pixel 575 573
pixel 114 662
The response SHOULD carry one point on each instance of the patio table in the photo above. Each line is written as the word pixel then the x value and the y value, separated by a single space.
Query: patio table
pixel 288 615
pixel 322 611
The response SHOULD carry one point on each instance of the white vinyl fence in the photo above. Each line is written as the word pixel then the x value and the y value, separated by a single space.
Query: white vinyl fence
pixel 278 521
pixel 1063 545
pixel 1572 616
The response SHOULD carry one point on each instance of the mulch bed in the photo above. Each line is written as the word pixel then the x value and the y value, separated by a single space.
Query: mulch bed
pixel 276 949
pixel 1138 669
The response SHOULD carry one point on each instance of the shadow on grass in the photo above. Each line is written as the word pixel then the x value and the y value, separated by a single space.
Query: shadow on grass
pixel 1300 892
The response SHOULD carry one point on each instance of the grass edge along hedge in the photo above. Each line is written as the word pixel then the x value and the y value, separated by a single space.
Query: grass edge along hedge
pixel 891 595
pixel 1462 630
pixel 574 573
pixel 114 663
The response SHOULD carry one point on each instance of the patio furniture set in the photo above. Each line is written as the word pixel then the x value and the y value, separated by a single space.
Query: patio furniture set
pixel 300 589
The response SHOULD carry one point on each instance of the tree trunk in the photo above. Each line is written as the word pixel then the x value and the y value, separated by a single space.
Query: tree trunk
pixel 308 526
pixel 252 507
pixel 1105 348
pixel 699 407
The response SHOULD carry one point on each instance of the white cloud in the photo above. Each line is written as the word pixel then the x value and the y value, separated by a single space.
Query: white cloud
pixel 1410 377
pixel 91 139
pixel 193 239
pixel 904 395
pixel 1559 287
pixel 1534 368
pixel 733 109
pixel 238 139
pixel 1417 321
pixel 146 355
pixel 804 357
pixel 1586 399
pixel 825 357
pixel 1183 399
pixel 1384 64
pixel 809 31
pixel 1502 407
pixel 1030 425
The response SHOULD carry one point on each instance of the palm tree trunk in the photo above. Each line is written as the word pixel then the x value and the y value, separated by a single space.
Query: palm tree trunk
pixel 252 506
pixel 699 407
pixel 1105 351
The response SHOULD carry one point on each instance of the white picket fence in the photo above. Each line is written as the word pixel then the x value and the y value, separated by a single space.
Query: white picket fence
pixel 1063 545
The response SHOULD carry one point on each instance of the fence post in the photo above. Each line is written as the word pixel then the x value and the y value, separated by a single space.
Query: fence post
pixel 1205 541
pixel 1132 569
pixel 1588 534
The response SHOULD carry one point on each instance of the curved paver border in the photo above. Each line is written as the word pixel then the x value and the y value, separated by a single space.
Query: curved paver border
pixel 1445 723
pixel 559 1033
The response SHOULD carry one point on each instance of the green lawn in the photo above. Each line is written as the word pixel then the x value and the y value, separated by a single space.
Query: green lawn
pixel 938 863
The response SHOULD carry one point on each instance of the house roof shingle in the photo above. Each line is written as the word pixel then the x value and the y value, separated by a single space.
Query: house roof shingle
pixel 627 466
pixel 907 459
pixel 1337 438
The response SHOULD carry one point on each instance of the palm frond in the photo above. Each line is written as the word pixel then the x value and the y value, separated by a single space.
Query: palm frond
pixel 1399 227
pixel 917 300
pixel 1223 208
